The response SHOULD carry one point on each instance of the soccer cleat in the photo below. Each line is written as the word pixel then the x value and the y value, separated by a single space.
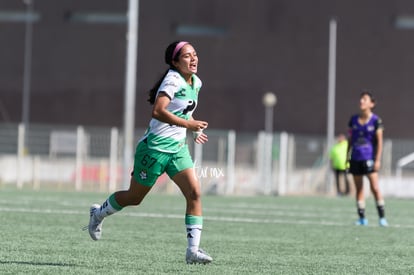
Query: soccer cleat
pixel 362 222
pixel 383 222
pixel 95 224
pixel 198 257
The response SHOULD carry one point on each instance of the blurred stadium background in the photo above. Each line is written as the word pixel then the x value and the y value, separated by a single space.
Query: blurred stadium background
pixel 66 82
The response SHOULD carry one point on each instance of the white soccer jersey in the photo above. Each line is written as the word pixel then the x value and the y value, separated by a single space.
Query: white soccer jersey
pixel 171 138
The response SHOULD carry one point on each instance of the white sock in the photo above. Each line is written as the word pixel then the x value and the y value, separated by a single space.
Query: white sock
pixel 105 210
pixel 194 236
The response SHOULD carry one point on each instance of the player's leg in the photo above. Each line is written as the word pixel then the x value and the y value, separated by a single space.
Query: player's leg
pixel 357 169
pixel 181 171
pixel 360 199
pixel 148 166
pixel 133 196
pixel 373 180
pixel 120 199
pixel 337 182
pixel 188 183
pixel 347 188
pixel 190 187
pixel 115 203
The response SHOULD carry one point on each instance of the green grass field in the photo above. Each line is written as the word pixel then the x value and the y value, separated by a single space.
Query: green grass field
pixel 41 234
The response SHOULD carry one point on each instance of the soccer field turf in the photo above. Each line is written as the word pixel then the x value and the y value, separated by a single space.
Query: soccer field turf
pixel 41 234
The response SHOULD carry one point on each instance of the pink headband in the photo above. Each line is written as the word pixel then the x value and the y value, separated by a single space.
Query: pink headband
pixel 178 48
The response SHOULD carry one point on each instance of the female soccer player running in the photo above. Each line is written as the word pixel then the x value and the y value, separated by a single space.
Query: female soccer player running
pixel 163 148
pixel 365 143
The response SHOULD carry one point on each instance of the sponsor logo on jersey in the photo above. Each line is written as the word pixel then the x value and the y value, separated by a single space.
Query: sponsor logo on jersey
pixel 170 83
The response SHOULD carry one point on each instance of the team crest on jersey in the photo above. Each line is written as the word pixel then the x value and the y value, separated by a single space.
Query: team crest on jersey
pixel 370 128
pixel 180 93
pixel 143 174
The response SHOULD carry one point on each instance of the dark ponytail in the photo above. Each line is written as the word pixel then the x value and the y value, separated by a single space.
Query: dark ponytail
pixel 153 92
pixel 168 60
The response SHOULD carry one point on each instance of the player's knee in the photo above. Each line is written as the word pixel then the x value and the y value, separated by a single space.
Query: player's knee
pixel 194 195
pixel 375 191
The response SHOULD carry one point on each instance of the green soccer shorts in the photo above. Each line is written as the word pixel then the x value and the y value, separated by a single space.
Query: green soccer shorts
pixel 149 164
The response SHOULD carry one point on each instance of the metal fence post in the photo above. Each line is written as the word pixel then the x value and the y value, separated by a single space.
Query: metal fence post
pixel 113 159
pixel 231 155
pixel 21 133
pixel 284 138
pixel 80 142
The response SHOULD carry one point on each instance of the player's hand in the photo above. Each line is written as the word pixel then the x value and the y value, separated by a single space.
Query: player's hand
pixel 197 125
pixel 377 165
pixel 200 137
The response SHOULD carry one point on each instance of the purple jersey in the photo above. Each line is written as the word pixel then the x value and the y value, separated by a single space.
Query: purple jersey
pixel 363 137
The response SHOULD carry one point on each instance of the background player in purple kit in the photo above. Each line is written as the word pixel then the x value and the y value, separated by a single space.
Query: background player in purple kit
pixel 365 143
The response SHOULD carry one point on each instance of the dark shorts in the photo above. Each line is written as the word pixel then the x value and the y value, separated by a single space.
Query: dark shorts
pixel 363 167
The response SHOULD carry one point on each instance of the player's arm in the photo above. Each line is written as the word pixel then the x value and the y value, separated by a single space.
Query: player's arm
pixel 348 148
pixel 379 137
pixel 161 113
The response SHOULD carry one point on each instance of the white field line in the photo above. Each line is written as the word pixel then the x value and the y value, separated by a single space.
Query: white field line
pixel 254 209
pixel 237 207
pixel 180 216
pixel 257 211
pixel 244 208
